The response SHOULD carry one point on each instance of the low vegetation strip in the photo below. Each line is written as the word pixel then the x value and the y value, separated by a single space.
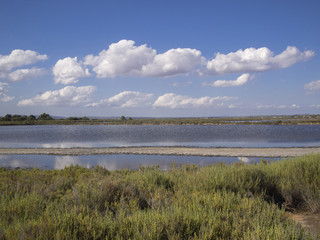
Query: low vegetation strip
pixel 187 151
pixel 215 202
pixel 46 119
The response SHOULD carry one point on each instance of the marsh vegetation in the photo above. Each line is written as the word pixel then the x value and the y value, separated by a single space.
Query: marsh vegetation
pixel 46 119
pixel 220 201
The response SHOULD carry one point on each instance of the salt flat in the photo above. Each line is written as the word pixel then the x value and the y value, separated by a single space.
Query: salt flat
pixel 187 151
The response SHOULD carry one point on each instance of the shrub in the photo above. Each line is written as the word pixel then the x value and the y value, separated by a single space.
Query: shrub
pixel 45 116
pixel 214 202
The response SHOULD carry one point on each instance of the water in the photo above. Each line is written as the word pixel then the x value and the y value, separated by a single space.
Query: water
pixel 150 135
pixel 65 136
pixel 113 162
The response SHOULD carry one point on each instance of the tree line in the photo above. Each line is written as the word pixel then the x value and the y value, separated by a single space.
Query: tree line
pixel 16 117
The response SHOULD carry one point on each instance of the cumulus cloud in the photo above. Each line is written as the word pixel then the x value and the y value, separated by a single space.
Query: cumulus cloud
pixel 313 86
pixel 120 59
pixel 25 74
pixel 5 98
pixel 255 60
pixel 125 59
pixel 174 62
pixel 125 99
pixel 171 100
pixel 243 79
pixel 3 87
pixel 69 95
pixel 18 58
pixel 68 70
pixel 183 84
pixel 283 106
pixel 3 90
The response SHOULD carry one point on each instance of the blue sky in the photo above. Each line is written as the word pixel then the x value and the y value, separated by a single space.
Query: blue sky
pixel 159 58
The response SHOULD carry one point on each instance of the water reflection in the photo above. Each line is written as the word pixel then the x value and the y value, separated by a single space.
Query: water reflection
pixel 22 161
pixel 61 162
pixel 67 145
pixel 114 162
pixel 159 135
pixel 245 159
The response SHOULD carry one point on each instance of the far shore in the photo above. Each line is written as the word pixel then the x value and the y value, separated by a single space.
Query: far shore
pixel 182 151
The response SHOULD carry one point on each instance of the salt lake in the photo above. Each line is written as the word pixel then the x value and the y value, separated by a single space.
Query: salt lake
pixel 67 136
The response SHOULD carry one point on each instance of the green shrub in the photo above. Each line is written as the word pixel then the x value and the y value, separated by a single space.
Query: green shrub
pixel 214 202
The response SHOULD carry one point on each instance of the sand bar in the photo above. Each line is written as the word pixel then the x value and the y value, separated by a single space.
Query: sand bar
pixel 186 151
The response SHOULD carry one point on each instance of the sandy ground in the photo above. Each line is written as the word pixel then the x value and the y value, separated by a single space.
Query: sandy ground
pixel 187 151
pixel 308 220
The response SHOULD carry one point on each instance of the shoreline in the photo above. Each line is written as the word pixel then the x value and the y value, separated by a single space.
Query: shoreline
pixel 179 151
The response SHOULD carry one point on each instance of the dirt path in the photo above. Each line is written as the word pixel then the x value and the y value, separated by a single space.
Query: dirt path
pixel 187 151
pixel 309 221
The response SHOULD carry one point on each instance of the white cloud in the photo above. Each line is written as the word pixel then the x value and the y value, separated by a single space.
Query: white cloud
pixel 243 79
pixel 312 86
pixel 3 87
pixel 174 62
pixel 171 100
pixel 255 60
pixel 18 58
pixel 125 99
pixel 120 59
pixel 68 95
pixel 24 74
pixel 283 106
pixel 125 59
pixel 6 98
pixel 68 70
pixel 178 84
pixel 3 90
pixel 315 106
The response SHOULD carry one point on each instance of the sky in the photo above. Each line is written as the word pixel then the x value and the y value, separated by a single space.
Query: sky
pixel 144 58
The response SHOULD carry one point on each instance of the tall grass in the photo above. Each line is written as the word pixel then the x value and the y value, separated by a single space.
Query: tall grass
pixel 215 202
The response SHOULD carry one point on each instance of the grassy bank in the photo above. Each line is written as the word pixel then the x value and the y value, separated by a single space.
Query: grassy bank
pixel 215 202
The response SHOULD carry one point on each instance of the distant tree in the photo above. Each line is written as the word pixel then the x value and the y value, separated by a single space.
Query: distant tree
pixel 31 118
pixel 18 118
pixel 7 117
pixel 73 118
pixel 45 116
pixel 123 118
pixel 277 122
pixel 130 118
pixel 84 118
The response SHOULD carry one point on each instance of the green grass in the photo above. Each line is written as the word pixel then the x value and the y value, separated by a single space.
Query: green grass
pixel 216 202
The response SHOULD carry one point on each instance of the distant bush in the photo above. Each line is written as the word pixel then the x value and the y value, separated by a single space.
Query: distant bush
pixel 15 117
pixel 6 118
pixel 44 116
pixel 77 119
pixel 31 118
pixel 18 118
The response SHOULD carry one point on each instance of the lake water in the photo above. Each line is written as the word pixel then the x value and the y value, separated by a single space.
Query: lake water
pixel 113 162
pixel 159 135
